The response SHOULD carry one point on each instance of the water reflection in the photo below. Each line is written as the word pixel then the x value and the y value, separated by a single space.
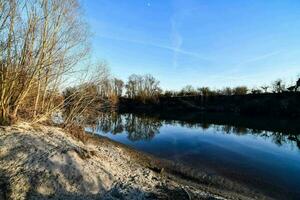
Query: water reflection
pixel 136 127
pixel 142 127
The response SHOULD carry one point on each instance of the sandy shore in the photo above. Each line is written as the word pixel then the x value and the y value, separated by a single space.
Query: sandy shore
pixel 40 162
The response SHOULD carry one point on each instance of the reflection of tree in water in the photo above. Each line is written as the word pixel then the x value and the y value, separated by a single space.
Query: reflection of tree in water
pixel 141 128
pixel 231 129
pixel 110 123
pixel 202 125
pixel 279 138
pixel 205 126
pixel 296 139
pixel 137 127
pixel 145 128
pixel 226 129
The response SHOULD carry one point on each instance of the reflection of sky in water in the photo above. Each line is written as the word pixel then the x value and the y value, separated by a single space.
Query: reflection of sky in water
pixel 240 154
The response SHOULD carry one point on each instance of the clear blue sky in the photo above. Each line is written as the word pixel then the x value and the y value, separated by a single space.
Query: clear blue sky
pixel 213 43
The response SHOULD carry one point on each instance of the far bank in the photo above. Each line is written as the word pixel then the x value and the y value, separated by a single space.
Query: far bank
pixel 285 104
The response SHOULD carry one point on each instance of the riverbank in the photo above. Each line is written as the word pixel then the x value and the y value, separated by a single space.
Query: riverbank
pixel 42 162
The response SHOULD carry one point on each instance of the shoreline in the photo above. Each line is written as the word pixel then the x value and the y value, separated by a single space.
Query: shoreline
pixel 42 162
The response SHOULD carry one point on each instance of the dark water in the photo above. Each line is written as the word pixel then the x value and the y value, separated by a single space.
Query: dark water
pixel 261 153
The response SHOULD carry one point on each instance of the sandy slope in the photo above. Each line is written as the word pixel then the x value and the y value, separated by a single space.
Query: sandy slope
pixel 44 162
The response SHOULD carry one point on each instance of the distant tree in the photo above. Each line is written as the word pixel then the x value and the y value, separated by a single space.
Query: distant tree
pixel 297 84
pixel 151 86
pixel 294 87
pixel 188 90
pixel 117 86
pixel 204 91
pixel 291 88
pixel 240 90
pixel 132 86
pixel 169 93
pixel 256 91
pixel 142 87
pixel 265 88
pixel 227 91
pixel 278 86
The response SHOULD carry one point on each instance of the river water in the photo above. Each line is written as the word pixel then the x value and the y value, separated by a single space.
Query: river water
pixel 263 154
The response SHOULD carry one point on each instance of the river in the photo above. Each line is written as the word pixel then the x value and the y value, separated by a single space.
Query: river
pixel 263 153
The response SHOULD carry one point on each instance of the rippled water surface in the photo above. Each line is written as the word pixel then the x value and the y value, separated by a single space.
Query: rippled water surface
pixel 261 153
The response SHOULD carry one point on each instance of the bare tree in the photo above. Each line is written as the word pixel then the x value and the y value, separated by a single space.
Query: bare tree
pixel 265 88
pixel 278 86
pixel 297 84
pixel 118 85
pixel 256 91
pixel 188 90
pixel 240 90
pixel 142 87
pixel 82 100
pixel 227 91
pixel 40 41
pixel 204 91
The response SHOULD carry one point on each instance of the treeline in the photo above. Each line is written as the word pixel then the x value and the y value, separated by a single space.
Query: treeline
pixel 277 86
pixel 206 91
pixel 275 100
pixel 146 87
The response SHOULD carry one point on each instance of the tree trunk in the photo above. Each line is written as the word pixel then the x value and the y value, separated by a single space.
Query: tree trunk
pixel 37 99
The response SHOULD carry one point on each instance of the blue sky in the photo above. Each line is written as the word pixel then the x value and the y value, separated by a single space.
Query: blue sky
pixel 214 43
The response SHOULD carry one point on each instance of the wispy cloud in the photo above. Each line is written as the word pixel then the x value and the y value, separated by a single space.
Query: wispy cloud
pixel 260 76
pixel 237 68
pixel 260 57
pixel 176 40
pixel 173 48
pixel 181 10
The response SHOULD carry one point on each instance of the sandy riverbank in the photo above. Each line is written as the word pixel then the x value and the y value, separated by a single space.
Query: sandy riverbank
pixel 40 162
